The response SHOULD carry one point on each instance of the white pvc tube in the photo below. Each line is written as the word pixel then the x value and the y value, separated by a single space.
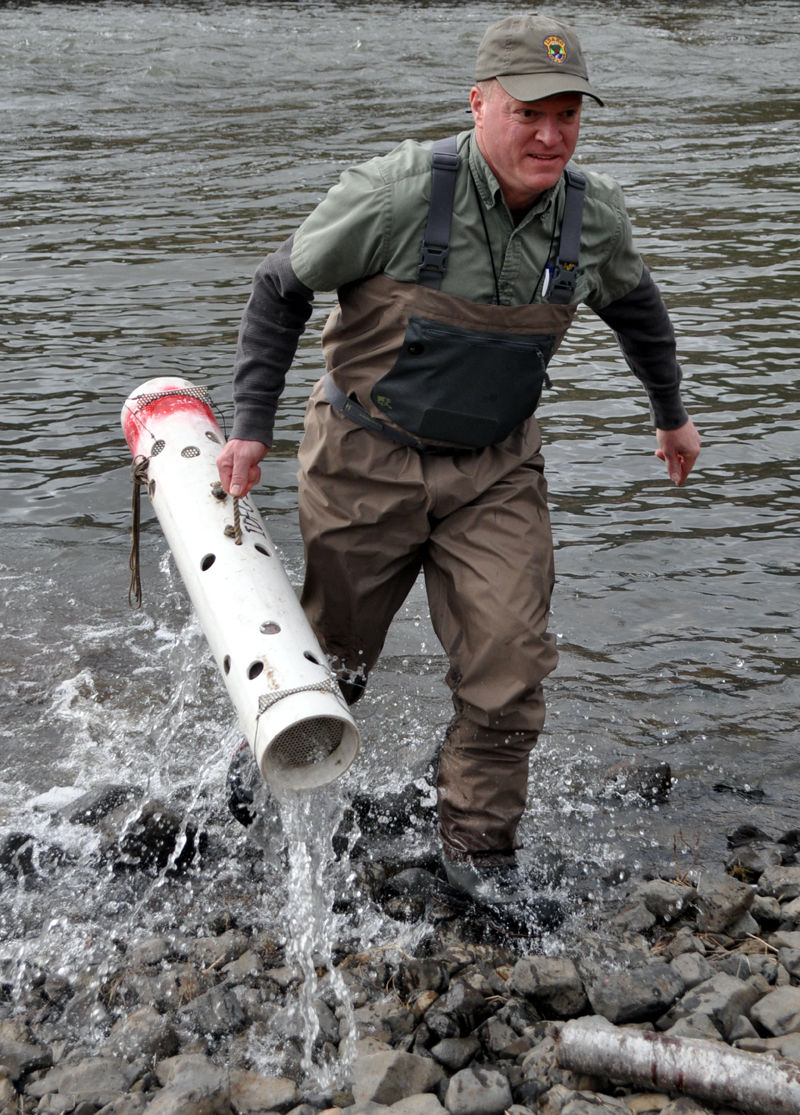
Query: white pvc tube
pixel 286 697
pixel 708 1070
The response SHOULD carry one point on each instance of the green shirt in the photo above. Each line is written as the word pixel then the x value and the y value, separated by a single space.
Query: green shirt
pixel 374 218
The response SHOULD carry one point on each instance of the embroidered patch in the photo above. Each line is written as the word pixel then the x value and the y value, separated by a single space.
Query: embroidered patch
pixel 556 48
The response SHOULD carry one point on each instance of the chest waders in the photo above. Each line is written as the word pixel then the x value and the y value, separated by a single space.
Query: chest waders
pixel 464 375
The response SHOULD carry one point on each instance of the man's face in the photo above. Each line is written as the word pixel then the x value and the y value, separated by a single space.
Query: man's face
pixel 527 144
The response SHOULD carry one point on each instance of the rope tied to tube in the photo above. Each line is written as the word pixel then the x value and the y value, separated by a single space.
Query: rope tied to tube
pixel 140 479
pixel 235 531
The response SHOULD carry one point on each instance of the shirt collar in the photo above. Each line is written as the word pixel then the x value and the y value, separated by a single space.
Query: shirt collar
pixel 489 188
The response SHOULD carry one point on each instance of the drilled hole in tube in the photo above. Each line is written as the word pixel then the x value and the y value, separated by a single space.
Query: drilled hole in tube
pixel 311 657
pixel 208 561
pixel 254 669
pixel 226 664
pixel 262 550
pixel 270 628
pixel 157 447
pixel 190 451
pixel 212 436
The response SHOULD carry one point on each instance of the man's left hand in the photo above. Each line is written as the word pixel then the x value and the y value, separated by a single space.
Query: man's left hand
pixel 679 449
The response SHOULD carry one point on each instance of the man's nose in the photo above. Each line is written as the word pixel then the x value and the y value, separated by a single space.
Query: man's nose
pixel 549 132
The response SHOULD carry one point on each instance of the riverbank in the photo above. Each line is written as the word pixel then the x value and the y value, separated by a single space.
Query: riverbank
pixel 451 1019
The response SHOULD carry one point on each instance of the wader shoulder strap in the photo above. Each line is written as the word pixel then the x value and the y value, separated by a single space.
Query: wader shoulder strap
pixel 445 162
pixel 562 276
pixel 564 273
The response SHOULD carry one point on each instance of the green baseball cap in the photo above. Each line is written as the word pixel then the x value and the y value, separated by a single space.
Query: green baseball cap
pixel 533 56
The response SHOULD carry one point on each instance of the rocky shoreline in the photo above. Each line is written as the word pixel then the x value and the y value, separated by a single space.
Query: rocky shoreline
pixel 465 1023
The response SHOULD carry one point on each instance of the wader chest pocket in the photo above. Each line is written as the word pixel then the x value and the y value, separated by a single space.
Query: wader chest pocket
pixel 463 385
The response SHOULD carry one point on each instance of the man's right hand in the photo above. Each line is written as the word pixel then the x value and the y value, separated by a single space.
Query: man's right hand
pixel 237 465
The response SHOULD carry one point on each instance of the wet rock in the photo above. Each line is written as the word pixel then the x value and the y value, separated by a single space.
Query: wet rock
pixel 97 1080
pixel 389 1077
pixel 152 837
pixel 666 900
pixel 455 1053
pixel 692 968
pixel 144 1033
pixel 478 1091
pixel 782 883
pixel 778 1012
pixel 191 1085
pixel 23 856
pixel 749 861
pixel 720 1000
pixel 720 900
pixel 21 1058
pixel 215 952
pixel 550 983
pixel 253 1094
pixel 564 1101
pixel 98 802
pixel 635 994
pixel 457 1012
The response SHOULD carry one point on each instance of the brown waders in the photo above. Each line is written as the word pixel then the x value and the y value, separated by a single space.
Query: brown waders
pixel 374 513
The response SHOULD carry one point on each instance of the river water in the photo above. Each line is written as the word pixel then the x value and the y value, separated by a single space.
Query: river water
pixel 151 154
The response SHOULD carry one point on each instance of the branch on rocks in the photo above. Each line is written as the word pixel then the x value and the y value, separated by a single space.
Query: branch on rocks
pixel 703 1069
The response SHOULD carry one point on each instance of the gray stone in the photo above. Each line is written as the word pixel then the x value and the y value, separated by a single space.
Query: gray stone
pixel 496 1036
pixel 550 983
pixel 721 900
pixel 386 1020
pixel 216 1012
pixel 782 883
pixel 462 1007
pixel 685 1106
pixel 751 860
pixel 426 1104
pixel 721 999
pixel 98 802
pixel 637 994
pixel 21 1058
pixel 216 952
pixel 421 975
pixel 666 900
pixel 152 951
pixel 743 927
pixel 247 966
pixel 389 1077
pixel 478 1091
pixel 778 1012
pixel 191 1068
pixel 692 968
pixel 743 965
pixel 149 837
pixel 142 1033
pixel 684 941
pixel 785 939
pixel 98 1080
pixel 253 1094
pixel 125 1105
pixel 454 1053
pixel 540 1065
pixel 565 1101
pixel 695 1025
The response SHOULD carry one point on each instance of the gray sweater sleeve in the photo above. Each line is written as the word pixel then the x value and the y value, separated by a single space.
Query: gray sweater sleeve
pixel 274 318
pixel 647 339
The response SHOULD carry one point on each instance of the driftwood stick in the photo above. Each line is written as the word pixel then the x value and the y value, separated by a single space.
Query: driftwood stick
pixel 707 1070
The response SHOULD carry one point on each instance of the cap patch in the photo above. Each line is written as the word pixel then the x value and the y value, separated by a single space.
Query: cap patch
pixel 556 49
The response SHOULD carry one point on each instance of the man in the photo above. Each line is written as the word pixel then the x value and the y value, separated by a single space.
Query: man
pixel 421 450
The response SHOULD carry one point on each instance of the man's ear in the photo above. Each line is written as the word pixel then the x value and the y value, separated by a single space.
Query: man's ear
pixel 476 102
